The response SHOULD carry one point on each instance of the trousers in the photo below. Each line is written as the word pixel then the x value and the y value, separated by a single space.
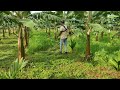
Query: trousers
pixel 63 41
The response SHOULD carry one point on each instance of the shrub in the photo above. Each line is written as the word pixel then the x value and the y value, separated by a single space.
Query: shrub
pixel 114 60
pixel 40 42
pixel 72 44
pixel 101 57
pixel 14 70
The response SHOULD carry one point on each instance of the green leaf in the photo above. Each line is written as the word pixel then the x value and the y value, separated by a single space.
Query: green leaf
pixel 113 63
pixel 112 16
pixel 28 23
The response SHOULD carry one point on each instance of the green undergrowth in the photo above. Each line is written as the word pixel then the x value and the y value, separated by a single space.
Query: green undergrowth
pixel 45 61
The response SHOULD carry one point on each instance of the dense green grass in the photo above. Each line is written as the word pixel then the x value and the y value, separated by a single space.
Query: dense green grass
pixel 8 51
pixel 45 62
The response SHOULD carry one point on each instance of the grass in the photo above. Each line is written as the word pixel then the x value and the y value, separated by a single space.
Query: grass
pixel 8 50
pixel 45 62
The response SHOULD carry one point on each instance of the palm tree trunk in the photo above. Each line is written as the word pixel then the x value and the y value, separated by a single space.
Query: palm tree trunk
pixel 97 37
pixel 21 51
pixel 88 46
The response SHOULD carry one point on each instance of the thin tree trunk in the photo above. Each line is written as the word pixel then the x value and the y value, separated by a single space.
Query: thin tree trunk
pixel 46 30
pixel 109 35
pixel 21 51
pixel 97 37
pixel 57 29
pixel 17 29
pixel 3 33
pixel 88 46
pixel 55 34
pixel 87 54
pixel 49 32
pixel 13 30
pixel 9 31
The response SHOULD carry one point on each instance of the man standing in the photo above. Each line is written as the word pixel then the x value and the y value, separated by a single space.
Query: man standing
pixel 63 36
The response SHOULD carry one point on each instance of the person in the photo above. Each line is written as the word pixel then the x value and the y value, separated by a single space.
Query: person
pixel 63 36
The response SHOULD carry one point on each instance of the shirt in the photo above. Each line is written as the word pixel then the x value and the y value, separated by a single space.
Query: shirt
pixel 65 33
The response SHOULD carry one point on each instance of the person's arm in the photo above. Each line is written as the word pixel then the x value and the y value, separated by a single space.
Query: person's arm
pixel 60 33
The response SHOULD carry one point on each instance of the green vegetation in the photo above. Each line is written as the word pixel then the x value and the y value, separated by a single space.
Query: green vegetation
pixel 14 70
pixel 29 45
pixel 40 42
pixel 47 63
pixel 72 44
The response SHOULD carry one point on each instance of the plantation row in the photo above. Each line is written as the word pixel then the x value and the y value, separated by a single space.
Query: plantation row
pixel 93 42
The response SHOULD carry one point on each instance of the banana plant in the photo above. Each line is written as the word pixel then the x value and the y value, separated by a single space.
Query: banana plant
pixel 72 44
pixel 20 18
pixel 88 15
pixel 97 28
pixel 107 19
pixel 8 24
pixel 46 19
pixel 3 21
pixel 3 27
pixel 15 70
